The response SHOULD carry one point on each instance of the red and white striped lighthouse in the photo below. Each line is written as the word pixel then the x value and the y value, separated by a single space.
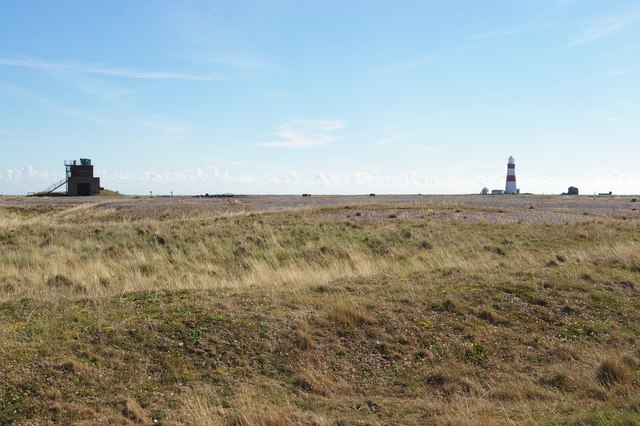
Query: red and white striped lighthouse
pixel 510 187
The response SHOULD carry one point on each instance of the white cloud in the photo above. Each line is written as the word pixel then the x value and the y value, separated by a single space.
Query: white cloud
pixel 212 180
pixel 616 181
pixel 301 133
pixel 27 179
pixel 28 173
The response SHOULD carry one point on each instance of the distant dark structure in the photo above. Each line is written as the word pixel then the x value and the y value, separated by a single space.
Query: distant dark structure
pixel 207 195
pixel 572 190
pixel 80 179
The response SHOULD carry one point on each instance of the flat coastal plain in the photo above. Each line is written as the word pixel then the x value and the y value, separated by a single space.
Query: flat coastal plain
pixel 491 208
pixel 320 310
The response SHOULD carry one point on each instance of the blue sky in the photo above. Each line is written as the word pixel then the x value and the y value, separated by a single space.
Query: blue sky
pixel 291 96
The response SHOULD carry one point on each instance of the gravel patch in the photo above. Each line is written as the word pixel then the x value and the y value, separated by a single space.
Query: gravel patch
pixel 365 208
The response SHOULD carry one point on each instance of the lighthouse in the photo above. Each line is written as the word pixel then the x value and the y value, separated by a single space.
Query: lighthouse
pixel 510 187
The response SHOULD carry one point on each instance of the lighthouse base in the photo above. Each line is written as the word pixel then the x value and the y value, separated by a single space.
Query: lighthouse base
pixel 511 188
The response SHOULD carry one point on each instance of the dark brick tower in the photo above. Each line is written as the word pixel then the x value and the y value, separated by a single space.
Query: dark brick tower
pixel 80 179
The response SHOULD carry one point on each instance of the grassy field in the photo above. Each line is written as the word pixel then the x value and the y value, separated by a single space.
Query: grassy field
pixel 330 315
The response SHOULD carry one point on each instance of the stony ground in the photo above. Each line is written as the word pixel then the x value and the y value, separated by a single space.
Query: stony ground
pixel 464 208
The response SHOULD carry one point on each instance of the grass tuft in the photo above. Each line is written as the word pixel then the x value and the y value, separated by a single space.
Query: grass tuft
pixel 560 380
pixel 133 411
pixel 611 372
pixel 304 339
pixel 60 281
pixel 350 315
pixel 495 249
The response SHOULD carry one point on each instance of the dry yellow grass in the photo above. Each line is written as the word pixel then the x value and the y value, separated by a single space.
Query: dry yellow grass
pixel 204 407
pixel 104 254
pixel 312 317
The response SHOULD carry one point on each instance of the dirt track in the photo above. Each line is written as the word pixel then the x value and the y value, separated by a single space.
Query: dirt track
pixel 473 208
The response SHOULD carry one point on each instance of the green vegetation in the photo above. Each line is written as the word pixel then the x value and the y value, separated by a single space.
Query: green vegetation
pixel 310 317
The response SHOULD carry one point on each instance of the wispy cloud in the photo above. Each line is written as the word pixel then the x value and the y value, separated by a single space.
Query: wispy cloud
pixel 405 65
pixel 99 86
pixel 14 89
pixel 385 141
pixel 167 130
pixel 300 133
pixel 415 120
pixel 105 70
pixel 164 129
pixel 564 3
pixel 278 94
pixel 537 27
pixel 624 71
pixel 103 87
pixel 235 60
pixel 621 120
pixel 605 27
pixel 596 28
pixel 203 38
pixel 418 147
pixel 21 91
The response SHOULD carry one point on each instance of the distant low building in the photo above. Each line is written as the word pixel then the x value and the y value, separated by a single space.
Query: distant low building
pixel 497 192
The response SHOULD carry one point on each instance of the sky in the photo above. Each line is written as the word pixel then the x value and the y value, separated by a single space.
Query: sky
pixel 321 97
